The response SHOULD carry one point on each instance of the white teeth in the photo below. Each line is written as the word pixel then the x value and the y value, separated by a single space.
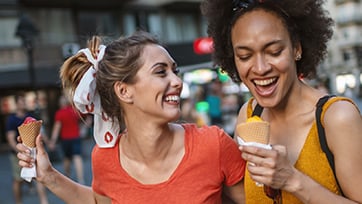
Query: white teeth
pixel 264 82
pixel 173 98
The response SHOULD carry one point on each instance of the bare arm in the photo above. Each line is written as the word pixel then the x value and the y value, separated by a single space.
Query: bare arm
pixel 63 187
pixel 236 192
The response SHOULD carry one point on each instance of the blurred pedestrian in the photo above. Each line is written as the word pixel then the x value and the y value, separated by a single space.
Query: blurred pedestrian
pixel 142 156
pixel 67 126
pixel 188 112
pixel 271 45
pixel 13 121
pixel 214 99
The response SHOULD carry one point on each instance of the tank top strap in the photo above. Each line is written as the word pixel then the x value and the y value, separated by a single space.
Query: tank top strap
pixel 250 108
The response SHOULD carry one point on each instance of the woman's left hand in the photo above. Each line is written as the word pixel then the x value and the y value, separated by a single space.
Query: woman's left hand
pixel 269 167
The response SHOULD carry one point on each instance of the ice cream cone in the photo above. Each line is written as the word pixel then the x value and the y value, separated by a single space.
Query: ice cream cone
pixel 29 131
pixel 255 130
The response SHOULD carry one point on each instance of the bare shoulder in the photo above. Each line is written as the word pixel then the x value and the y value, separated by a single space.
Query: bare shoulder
pixel 343 126
pixel 343 112
pixel 242 113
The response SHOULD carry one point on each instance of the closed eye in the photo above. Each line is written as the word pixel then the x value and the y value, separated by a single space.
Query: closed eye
pixel 161 72
pixel 176 71
pixel 277 53
pixel 244 57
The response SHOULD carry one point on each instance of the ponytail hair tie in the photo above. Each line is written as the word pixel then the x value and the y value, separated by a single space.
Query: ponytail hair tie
pixel 86 99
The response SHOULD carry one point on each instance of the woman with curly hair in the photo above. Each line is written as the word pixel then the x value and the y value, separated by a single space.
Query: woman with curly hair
pixel 270 46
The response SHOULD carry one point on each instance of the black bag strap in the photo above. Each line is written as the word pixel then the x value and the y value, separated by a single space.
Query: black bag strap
pixel 257 110
pixel 321 133
pixel 322 136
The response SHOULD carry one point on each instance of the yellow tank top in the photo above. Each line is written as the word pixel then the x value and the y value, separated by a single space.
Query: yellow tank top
pixel 312 161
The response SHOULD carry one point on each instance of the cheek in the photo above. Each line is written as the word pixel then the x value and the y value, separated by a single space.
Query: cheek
pixel 285 65
pixel 241 68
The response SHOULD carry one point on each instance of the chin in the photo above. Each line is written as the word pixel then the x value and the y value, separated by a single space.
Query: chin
pixel 175 117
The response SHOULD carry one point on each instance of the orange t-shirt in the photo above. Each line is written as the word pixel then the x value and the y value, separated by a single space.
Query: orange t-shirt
pixel 212 159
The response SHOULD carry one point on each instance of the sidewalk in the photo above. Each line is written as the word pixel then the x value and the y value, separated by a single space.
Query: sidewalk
pixel 29 194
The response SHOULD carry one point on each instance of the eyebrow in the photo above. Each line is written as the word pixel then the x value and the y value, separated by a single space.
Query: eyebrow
pixel 265 46
pixel 164 64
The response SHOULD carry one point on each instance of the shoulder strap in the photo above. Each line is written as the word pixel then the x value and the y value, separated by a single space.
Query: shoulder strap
pixel 321 133
pixel 257 110
pixel 322 136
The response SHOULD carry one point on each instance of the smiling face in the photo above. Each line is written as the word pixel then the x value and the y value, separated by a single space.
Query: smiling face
pixel 157 88
pixel 264 56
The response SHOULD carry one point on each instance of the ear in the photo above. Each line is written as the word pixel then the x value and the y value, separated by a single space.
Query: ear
pixel 123 92
pixel 298 51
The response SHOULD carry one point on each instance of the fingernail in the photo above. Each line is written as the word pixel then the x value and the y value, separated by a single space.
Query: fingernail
pixel 251 164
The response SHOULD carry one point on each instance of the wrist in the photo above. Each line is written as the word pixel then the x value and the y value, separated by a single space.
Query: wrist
pixel 302 186
pixel 49 177
pixel 295 182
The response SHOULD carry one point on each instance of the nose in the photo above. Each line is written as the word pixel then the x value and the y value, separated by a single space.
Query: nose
pixel 176 81
pixel 261 65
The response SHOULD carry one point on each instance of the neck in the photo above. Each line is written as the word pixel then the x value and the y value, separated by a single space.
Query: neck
pixel 291 106
pixel 147 143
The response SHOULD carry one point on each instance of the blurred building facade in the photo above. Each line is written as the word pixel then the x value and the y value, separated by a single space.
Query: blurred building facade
pixel 37 35
pixel 343 65
pixel 52 30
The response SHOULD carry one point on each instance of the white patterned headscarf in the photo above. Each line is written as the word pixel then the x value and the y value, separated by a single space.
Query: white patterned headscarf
pixel 87 101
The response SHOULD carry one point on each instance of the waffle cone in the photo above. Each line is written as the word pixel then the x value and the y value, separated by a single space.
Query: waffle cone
pixel 255 131
pixel 28 132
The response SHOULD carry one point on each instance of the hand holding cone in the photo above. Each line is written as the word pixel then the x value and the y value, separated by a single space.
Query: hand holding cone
pixel 257 131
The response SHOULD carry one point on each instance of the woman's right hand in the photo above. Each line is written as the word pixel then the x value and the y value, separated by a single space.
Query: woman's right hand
pixel 43 165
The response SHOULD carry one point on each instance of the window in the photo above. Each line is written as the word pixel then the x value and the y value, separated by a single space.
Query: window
pixel 8 37
pixel 129 24
pixel 346 56
pixel 97 23
pixel 180 28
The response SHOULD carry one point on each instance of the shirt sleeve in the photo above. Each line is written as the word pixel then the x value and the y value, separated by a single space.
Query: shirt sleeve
pixel 232 164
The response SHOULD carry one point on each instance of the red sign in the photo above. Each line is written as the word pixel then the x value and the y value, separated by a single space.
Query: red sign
pixel 203 46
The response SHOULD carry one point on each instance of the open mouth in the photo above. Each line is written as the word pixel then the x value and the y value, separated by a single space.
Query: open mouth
pixel 265 87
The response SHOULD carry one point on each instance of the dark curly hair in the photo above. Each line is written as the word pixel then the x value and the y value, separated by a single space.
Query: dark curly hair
pixel 306 21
